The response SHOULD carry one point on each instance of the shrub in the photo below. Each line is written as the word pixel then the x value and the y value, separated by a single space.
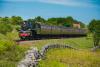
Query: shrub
pixel 2 36
pixel 10 51
pixel 6 45
pixel 4 28
pixel 12 35
pixel 10 54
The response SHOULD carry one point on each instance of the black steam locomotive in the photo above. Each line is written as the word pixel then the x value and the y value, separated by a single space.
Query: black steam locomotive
pixel 31 30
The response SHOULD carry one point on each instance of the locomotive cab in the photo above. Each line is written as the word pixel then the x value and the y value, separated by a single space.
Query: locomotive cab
pixel 28 30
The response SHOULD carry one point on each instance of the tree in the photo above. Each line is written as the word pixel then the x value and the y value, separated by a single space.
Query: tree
pixel 4 28
pixel 31 20
pixel 5 20
pixel 96 33
pixel 60 21
pixel 56 21
pixel 82 25
pixel 52 21
pixel 94 27
pixel 69 20
pixel 39 19
pixel 16 20
pixel 0 19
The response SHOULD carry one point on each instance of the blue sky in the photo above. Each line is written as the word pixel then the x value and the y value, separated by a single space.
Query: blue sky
pixel 82 10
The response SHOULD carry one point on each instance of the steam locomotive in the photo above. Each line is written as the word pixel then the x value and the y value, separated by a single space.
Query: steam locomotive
pixel 31 30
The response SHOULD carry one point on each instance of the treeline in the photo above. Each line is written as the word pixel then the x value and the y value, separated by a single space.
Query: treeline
pixel 14 20
pixel 60 21
pixel 6 22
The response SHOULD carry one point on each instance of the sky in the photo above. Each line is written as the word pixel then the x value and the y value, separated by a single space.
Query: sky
pixel 81 10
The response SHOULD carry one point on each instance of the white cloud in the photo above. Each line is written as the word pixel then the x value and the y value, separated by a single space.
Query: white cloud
pixel 73 3
pixel 61 2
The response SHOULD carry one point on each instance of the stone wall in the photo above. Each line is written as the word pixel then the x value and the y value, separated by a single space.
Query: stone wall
pixel 33 56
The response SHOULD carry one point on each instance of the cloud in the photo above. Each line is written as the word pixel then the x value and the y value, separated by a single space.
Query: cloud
pixel 72 3
pixel 61 2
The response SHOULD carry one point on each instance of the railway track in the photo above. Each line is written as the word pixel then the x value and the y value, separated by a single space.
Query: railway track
pixel 44 38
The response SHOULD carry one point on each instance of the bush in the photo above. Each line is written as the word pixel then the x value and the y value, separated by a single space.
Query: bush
pixel 10 51
pixel 4 28
pixel 2 36
pixel 12 35
pixel 5 45
pixel 11 57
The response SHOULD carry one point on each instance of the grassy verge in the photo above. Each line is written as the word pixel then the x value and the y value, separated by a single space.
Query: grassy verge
pixel 70 58
pixel 81 43
pixel 7 63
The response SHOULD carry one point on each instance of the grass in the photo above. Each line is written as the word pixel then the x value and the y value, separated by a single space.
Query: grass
pixel 81 43
pixel 7 63
pixel 71 58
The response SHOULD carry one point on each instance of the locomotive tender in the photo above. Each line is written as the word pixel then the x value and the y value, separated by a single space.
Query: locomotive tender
pixel 31 30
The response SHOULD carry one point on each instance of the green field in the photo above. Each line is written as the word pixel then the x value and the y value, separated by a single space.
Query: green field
pixel 71 58
pixel 80 43
pixel 11 54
